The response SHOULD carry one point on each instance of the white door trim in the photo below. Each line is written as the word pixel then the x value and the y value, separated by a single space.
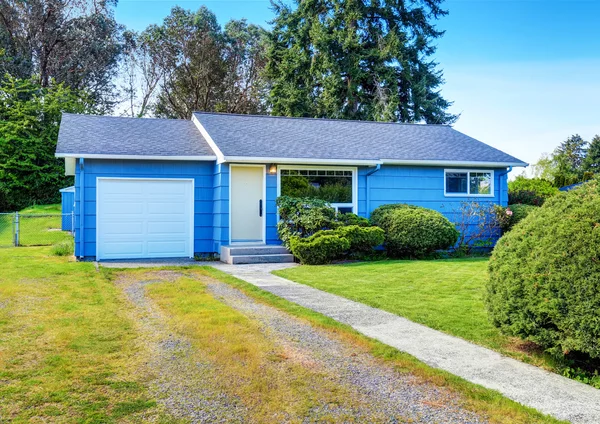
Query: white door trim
pixel 264 199
pixel 192 205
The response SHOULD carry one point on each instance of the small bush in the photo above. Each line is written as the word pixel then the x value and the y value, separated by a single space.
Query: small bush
pixel 302 217
pixel 512 215
pixel 352 219
pixel 525 197
pixel 412 231
pixel 320 248
pixel 63 248
pixel 545 275
pixel 539 186
pixel 362 239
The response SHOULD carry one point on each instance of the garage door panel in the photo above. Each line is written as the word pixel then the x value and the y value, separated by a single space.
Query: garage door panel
pixel 171 207
pixel 122 207
pixel 144 218
pixel 167 227
pixel 162 248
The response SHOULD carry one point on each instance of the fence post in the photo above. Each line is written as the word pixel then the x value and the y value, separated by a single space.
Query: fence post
pixel 73 222
pixel 16 229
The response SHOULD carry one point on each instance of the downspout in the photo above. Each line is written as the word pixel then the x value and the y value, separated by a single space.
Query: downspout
pixel 368 199
pixel 500 181
pixel 81 208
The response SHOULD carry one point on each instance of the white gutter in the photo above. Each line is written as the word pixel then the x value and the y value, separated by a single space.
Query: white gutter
pixel 133 157
pixel 219 155
pixel 453 163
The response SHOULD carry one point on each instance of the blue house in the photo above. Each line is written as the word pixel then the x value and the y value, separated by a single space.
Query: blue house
pixel 159 188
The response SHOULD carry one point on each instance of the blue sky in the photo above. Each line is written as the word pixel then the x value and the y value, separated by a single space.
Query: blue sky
pixel 523 74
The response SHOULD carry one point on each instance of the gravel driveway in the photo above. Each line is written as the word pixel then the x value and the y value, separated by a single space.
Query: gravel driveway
pixel 185 388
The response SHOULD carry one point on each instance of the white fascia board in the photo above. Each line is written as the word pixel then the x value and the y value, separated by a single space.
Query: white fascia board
pixel 454 163
pixel 209 140
pixel 299 161
pixel 134 157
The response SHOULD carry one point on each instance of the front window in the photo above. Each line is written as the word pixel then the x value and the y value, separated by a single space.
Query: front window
pixel 468 183
pixel 335 186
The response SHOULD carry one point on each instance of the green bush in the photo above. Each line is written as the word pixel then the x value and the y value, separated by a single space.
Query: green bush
pixel 530 191
pixel 545 275
pixel 512 215
pixel 412 231
pixel 302 217
pixel 63 248
pixel 362 239
pixel 352 219
pixel 320 248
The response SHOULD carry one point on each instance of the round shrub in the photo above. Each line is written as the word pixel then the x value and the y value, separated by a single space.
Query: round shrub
pixel 544 282
pixel 302 217
pixel 362 239
pixel 412 231
pixel 320 248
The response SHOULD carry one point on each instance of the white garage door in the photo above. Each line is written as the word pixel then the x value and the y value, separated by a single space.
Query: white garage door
pixel 144 218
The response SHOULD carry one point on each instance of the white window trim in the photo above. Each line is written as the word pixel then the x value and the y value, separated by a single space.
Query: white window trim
pixel 468 193
pixel 353 205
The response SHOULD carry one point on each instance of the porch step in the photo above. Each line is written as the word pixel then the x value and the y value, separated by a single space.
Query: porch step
pixel 255 254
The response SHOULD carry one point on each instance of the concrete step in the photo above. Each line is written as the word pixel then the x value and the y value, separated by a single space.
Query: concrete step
pixel 254 250
pixel 260 259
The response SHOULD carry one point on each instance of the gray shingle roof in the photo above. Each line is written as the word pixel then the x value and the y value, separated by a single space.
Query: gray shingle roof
pixel 109 135
pixel 279 137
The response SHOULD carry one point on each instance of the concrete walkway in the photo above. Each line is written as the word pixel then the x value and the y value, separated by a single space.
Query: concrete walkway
pixel 547 392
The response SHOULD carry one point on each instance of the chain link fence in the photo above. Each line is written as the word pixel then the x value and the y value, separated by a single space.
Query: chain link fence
pixel 25 229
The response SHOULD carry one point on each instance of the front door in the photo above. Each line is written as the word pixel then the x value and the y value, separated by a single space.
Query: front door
pixel 247 204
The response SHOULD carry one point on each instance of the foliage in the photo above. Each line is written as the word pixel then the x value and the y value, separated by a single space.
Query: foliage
pixel 412 231
pixel 74 43
pixel 63 248
pixel 319 248
pixel 302 217
pixel 513 214
pixel 525 197
pixel 353 60
pixel 29 118
pixel 200 66
pixel 352 219
pixel 300 186
pixel 592 158
pixel 477 224
pixel 539 186
pixel 362 239
pixel 545 274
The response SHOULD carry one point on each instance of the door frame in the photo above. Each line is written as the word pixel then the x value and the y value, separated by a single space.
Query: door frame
pixel 192 205
pixel 264 199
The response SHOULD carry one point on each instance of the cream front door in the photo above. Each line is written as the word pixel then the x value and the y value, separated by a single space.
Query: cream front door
pixel 247 204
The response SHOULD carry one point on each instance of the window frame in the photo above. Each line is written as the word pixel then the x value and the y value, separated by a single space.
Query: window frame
pixel 468 172
pixel 336 206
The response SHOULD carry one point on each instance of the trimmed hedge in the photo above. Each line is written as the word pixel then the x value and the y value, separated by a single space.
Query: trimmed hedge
pixel 544 281
pixel 319 248
pixel 314 252
pixel 413 231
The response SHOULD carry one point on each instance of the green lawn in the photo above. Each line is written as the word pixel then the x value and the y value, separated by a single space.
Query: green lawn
pixel 70 352
pixel 39 225
pixel 443 294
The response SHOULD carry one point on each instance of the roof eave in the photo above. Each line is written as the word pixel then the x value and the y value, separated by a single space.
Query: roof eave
pixel 482 164
pixel 300 161
pixel 134 157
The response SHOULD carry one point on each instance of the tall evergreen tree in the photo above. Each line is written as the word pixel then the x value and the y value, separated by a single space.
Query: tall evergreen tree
pixel 357 59
pixel 592 159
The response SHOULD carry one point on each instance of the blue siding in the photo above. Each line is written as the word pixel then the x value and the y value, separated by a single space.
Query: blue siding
pixel 422 186
pixel 67 200
pixel 202 173
pixel 220 206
